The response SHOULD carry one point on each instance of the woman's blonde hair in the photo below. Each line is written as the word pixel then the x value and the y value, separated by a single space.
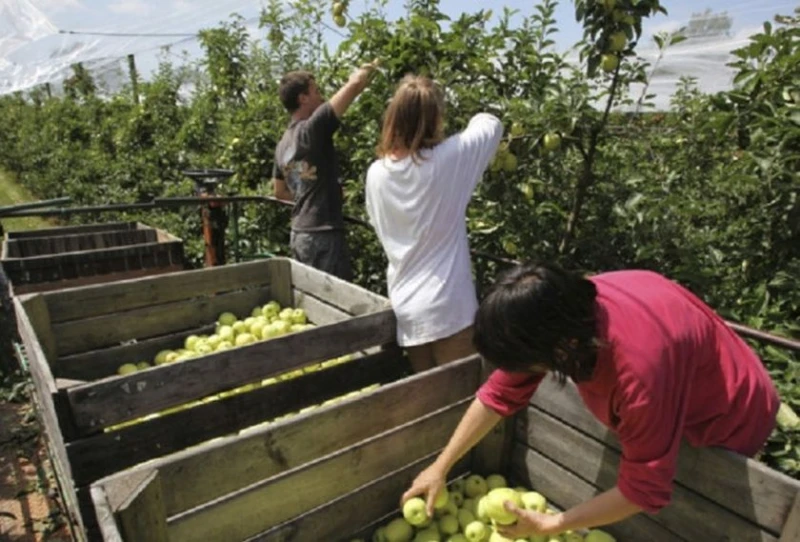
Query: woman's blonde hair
pixel 415 117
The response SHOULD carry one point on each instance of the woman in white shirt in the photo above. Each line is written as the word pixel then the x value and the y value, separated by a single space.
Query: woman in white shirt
pixel 417 194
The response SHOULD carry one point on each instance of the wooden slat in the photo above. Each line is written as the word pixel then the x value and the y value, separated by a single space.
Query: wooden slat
pixel 99 364
pixel 29 309
pixel 104 331
pixel 566 490
pixel 142 517
pixel 105 516
pixel 317 311
pixel 115 400
pixel 39 246
pixel 492 453
pixel 689 514
pixel 281 498
pixel 82 282
pixel 791 529
pixel 354 512
pixel 745 486
pixel 71 230
pixel 133 294
pixel 232 464
pixel 280 276
pixel 346 296
pixel 107 453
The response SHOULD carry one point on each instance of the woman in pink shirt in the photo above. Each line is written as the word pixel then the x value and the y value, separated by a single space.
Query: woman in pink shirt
pixel 651 361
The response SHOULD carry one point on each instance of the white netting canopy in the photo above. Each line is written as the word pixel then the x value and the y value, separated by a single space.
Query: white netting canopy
pixel 41 39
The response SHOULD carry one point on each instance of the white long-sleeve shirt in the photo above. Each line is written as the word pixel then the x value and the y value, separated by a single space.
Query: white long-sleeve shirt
pixel 418 211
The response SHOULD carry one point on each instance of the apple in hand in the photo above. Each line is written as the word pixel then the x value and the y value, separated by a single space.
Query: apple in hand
pixel 532 500
pixel 495 505
pixel 414 511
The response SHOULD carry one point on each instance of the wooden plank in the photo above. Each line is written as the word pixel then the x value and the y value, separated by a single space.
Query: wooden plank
pixel 142 517
pixel 69 230
pixel 344 295
pixel 78 336
pixel 227 465
pixel 105 516
pixel 318 312
pixel 119 399
pixel 492 453
pixel 566 490
pixel 99 364
pixel 689 514
pixel 357 512
pixel 133 294
pixel 280 277
pixel 252 510
pixel 81 282
pixel 791 529
pixel 745 486
pixel 39 246
pixel 107 453
pixel 44 394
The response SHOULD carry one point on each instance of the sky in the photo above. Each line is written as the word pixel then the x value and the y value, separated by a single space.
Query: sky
pixel 188 16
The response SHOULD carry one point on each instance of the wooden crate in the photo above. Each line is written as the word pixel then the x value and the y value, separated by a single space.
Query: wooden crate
pixel 339 471
pixel 76 339
pixel 58 258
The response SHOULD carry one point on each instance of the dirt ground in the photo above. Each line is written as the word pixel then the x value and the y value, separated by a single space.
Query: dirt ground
pixel 30 510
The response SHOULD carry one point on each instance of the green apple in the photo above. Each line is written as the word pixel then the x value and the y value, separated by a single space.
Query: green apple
pixel 172 357
pixel 458 537
pixel 493 481
pixel 617 42
pixel 380 533
pixel 340 20
pixel 431 534
pixel 203 349
pixel 571 536
pixel 281 327
pixel 457 498
pixel 239 327
pixel 457 486
pixel 299 316
pixel 414 511
pixel 226 319
pixel 270 309
pixel 225 333
pixel 213 341
pixel 495 505
pixel 542 538
pixel 596 535
pixel 190 342
pixel 609 63
pixel 338 8
pixel 127 368
pixel 481 510
pixel 442 498
pixel 244 338
pixel 249 321
pixel 517 129
pixel 449 508
pixel 475 486
pixel 497 537
pixel 257 329
pixel 286 314
pixel 510 162
pixel 224 345
pixel 142 365
pixel 448 524
pixel 161 357
pixel 552 141
pixel 398 530
pixel 465 517
pixel 477 531
pixel 471 505
pixel 531 500
pixel 256 312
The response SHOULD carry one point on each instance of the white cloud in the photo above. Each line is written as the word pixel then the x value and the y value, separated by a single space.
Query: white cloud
pixel 181 5
pixel 130 7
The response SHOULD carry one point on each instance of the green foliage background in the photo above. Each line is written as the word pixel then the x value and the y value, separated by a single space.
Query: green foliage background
pixel 706 193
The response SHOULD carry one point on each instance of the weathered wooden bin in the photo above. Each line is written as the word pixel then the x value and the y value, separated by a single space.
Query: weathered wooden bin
pixel 58 258
pixel 76 338
pixel 339 471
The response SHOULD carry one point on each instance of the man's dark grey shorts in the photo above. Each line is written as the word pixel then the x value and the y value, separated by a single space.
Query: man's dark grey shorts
pixel 324 250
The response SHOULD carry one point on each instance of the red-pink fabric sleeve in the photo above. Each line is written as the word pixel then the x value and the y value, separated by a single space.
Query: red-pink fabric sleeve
pixel 507 393
pixel 650 434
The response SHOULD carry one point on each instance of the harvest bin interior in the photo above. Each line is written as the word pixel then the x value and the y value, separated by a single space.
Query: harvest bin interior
pixel 58 258
pixel 76 339
pixel 338 472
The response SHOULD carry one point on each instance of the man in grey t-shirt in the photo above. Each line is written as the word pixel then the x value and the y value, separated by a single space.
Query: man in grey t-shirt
pixel 306 171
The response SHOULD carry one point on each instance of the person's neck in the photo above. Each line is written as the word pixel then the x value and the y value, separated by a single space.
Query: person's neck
pixel 300 115
pixel 399 154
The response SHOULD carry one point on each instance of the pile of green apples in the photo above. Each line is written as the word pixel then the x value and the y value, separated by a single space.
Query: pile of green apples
pixel 264 323
pixel 469 511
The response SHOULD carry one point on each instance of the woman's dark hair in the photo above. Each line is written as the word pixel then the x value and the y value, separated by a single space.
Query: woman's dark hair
pixel 292 85
pixel 539 314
